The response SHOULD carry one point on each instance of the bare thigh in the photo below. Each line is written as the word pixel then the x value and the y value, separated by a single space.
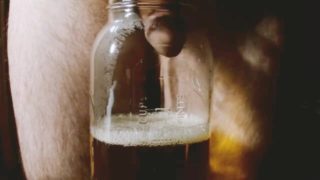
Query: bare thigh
pixel 49 44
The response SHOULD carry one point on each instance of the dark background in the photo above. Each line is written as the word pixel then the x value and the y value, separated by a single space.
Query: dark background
pixel 294 153
pixel 295 150
pixel 10 164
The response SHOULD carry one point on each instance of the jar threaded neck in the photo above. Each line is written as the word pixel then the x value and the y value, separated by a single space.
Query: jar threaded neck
pixel 116 4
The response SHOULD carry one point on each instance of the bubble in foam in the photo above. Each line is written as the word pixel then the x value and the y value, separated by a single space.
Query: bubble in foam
pixel 161 129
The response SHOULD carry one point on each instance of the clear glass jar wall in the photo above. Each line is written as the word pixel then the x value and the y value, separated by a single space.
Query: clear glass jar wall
pixel 150 93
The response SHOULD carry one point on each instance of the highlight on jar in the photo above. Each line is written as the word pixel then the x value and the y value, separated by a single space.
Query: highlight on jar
pixel 170 99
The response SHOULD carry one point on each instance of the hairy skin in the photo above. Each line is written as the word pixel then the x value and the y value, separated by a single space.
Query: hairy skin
pixel 49 51
pixel 49 44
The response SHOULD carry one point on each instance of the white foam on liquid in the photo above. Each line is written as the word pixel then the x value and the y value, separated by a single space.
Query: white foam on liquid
pixel 156 129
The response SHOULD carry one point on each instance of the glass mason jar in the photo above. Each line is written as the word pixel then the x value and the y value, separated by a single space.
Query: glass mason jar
pixel 150 93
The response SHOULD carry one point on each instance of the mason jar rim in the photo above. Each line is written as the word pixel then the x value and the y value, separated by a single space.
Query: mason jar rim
pixel 138 3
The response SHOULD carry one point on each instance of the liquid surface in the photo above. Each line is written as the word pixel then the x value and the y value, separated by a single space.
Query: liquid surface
pixel 156 129
pixel 160 146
